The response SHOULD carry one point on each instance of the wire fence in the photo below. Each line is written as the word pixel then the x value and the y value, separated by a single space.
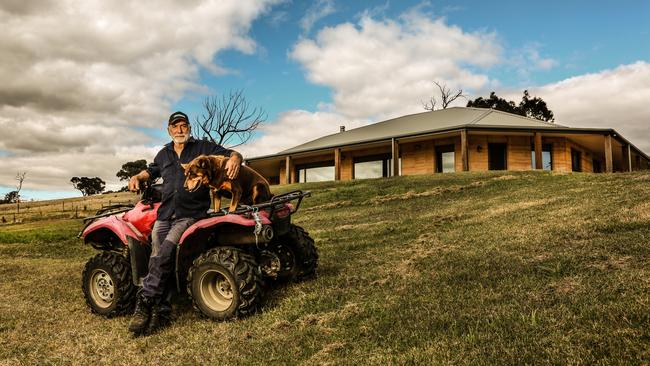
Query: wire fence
pixel 16 213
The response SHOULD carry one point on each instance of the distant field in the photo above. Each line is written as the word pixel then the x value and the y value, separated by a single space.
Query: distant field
pixel 462 269
pixel 25 212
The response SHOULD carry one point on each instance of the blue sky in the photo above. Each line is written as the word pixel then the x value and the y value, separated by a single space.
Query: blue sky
pixel 93 93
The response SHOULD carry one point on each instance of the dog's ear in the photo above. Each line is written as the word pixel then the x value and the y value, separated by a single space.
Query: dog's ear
pixel 185 166
pixel 203 162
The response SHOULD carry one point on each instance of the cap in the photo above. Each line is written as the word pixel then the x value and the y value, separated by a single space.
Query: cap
pixel 178 116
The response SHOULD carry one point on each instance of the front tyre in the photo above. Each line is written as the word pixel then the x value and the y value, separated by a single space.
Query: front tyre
pixel 107 286
pixel 224 283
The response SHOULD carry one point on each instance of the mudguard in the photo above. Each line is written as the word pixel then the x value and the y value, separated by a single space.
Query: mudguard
pixel 142 216
pixel 225 219
pixel 105 229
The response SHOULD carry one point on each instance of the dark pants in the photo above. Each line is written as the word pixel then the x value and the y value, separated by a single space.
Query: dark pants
pixel 164 238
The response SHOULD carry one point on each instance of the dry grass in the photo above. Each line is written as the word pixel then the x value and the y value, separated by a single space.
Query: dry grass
pixel 492 268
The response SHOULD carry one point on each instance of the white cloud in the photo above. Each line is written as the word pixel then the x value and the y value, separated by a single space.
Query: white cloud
pixel 316 12
pixel 384 68
pixel 295 127
pixel 79 77
pixel 613 98
pixel 378 69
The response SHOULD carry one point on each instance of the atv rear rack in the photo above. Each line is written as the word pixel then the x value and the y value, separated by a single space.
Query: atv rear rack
pixel 276 203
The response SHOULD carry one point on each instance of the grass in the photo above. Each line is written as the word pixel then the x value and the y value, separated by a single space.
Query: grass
pixel 468 268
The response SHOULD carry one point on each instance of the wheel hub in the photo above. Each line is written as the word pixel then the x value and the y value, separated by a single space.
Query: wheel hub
pixel 102 288
pixel 216 290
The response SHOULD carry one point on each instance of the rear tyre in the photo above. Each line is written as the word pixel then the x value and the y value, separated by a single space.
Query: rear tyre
pixel 297 253
pixel 107 286
pixel 224 283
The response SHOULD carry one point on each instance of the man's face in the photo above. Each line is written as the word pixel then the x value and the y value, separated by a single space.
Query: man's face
pixel 179 132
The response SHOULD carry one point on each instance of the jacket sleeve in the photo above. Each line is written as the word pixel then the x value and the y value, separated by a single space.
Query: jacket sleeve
pixel 154 167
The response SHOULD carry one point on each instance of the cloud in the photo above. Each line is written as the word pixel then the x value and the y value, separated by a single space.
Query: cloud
pixel 295 127
pixel 382 68
pixel 80 78
pixel 316 12
pixel 378 69
pixel 613 98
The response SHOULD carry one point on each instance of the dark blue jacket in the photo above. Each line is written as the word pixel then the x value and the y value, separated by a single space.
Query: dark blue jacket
pixel 176 200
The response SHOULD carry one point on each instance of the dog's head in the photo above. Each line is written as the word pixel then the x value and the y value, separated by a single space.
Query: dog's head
pixel 201 171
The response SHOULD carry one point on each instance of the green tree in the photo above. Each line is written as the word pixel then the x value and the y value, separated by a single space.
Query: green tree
pixel 131 168
pixel 88 186
pixel 11 197
pixel 535 108
pixel 529 107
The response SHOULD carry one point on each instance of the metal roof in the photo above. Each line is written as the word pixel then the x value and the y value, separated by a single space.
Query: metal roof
pixel 432 122
pixel 413 124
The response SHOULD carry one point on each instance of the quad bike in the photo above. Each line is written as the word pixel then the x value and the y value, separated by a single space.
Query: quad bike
pixel 223 260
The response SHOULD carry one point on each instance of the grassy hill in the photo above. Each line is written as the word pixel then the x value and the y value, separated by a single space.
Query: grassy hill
pixel 467 268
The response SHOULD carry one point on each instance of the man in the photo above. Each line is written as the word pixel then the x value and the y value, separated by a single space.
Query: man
pixel 179 210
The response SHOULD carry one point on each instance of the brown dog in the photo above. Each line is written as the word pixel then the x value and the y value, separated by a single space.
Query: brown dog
pixel 248 188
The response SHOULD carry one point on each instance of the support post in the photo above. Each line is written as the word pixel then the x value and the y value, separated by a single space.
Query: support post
pixel 463 150
pixel 538 151
pixel 629 157
pixel 395 157
pixel 287 170
pixel 609 160
pixel 337 164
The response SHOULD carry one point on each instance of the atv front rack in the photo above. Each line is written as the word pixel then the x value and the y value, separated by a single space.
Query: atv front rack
pixel 276 203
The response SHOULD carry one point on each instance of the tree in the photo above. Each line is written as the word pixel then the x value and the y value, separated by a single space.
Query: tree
pixel 229 120
pixel 533 108
pixel 131 168
pixel 20 177
pixel 11 197
pixel 446 97
pixel 88 186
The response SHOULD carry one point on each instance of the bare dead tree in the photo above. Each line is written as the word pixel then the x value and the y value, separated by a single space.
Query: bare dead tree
pixel 446 96
pixel 228 120
pixel 20 177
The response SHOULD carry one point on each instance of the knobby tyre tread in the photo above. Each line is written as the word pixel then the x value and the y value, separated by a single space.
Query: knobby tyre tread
pixel 245 271
pixel 119 269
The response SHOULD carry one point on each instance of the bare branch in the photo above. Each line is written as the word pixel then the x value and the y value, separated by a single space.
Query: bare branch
pixel 446 96
pixel 431 105
pixel 20 177
pixel 230 120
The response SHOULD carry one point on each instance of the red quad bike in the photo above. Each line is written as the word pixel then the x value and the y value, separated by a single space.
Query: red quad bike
pixel 222 260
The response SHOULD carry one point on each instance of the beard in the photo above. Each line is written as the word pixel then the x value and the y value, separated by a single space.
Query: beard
pixel 181 138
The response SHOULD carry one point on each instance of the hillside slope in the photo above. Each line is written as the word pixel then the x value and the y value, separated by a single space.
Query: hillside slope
pixel 467 268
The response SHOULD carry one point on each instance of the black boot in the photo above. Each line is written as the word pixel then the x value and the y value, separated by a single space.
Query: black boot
pixel 141 315
pixel 160 317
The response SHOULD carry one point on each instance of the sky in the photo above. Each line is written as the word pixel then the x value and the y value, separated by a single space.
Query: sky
pixel 87 85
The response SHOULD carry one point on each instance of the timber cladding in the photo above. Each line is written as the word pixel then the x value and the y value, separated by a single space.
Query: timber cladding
pixel 420 157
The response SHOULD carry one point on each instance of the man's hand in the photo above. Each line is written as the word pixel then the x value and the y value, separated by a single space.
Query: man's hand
pixel 134 182
pixel 233 165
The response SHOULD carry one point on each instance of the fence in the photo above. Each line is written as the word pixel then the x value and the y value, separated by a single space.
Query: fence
pixel 59 209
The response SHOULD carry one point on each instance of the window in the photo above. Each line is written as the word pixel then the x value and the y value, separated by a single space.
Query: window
pixel 497 156
pixel 576 160
pixel 547 156
pixel 376 166
pixel 318 172
pixel 445 159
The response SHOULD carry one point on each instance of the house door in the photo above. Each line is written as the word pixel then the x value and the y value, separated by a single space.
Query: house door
pixel 497 156
pixel 576 160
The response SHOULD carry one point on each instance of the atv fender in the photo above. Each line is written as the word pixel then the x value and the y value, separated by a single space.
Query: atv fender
pixel 110 233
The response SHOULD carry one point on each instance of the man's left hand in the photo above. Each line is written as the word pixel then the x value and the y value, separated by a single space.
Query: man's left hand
pixel 233 165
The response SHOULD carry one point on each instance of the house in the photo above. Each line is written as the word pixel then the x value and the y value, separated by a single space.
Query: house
pixel 452 140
